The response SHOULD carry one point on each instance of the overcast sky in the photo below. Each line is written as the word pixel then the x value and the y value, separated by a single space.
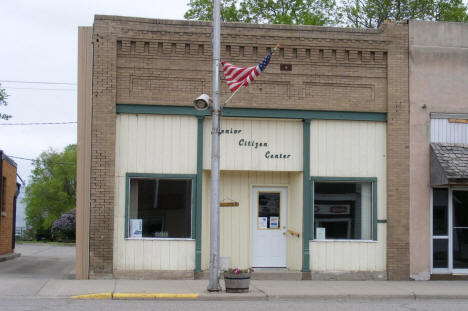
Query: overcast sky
pixel 39 44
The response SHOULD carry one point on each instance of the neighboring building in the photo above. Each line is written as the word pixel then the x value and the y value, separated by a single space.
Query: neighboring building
pixel 20 214
pixel 8 194
pixel 438 74
pixel 314 154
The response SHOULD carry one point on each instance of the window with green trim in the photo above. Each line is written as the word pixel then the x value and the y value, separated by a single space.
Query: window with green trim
pixel 343 210
pixel 160 208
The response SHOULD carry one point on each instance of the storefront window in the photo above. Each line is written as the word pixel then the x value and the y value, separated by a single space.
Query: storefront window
pixel 343 210
pixel 160 208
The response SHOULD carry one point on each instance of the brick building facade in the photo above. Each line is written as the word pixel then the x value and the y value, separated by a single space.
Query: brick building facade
pixel 8 198
pixel 135 66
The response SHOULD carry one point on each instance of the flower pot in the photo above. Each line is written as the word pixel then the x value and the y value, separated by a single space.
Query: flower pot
pixel 237 283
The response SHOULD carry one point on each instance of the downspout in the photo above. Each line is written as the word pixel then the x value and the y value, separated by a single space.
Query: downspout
pixel 18 187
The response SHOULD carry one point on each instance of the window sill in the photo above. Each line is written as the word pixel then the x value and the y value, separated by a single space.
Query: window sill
pixel 337 240
pixel 160 239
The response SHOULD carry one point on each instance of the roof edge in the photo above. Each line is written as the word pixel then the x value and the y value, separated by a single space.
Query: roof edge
pixel 9 160
pixel 240 25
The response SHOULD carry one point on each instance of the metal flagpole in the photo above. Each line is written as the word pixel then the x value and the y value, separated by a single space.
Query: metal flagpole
pixel 216 113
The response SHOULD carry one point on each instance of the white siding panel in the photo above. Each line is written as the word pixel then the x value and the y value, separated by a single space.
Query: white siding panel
pixel 156 144
pixel 350 149
pixel 442 131
pixel 152 144
pixel 282 137
pixel 347 148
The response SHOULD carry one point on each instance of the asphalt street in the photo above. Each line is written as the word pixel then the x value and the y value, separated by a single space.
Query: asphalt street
pixel 14 304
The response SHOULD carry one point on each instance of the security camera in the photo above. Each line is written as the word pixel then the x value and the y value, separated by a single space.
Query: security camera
pixel 202 102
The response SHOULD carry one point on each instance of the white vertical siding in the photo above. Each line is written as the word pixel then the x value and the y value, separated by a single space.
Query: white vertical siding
pixel 156 144
pixel 160 145
pixel 349 256
pixel 442 131
pixel 282 137
pixel 295 206
pixel 235 222
pixel 350 149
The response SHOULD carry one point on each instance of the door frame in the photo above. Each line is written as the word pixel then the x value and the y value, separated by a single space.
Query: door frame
pixel 449 237
pixel 283 212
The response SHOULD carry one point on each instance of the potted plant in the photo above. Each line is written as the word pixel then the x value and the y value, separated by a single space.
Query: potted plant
pixel 237 280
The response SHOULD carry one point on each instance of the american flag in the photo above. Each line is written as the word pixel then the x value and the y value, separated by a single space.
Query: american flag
pixel 237 76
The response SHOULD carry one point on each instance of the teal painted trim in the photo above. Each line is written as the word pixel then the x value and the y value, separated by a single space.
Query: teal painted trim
pixel 324 178
pixel 160 176
pixel 372 180
pixel 199 206
pixel 127 204
pixel 255 113
pixel 381 221
pixel 374 210
pixel 306 208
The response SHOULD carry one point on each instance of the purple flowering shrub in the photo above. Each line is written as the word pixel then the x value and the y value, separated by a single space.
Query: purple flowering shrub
pixel 63 229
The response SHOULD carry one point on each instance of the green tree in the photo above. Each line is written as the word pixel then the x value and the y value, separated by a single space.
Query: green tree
pixel 51 191
pixel 3 102
pixel 305 12
pixel 202 10
pixel 372 13
pixel 354 13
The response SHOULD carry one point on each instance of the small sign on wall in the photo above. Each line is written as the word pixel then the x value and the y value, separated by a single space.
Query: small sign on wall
pixel 136 228
pixel 320 234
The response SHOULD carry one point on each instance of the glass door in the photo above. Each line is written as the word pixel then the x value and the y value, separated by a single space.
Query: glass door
pixel 440 231
pixel 460 231
pixel 449 230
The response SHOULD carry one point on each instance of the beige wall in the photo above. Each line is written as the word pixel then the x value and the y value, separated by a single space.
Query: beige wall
pixel 283 137
pixel 350 149
pixel 154 144
pixel 85 63
pixel 438 74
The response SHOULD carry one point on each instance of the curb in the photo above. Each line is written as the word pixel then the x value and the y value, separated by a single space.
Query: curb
pixel 93 296
pixel 142 296
pixel 193 296
pixel 9 256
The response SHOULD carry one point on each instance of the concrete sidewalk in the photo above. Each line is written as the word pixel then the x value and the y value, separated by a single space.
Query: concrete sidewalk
pixel 260 290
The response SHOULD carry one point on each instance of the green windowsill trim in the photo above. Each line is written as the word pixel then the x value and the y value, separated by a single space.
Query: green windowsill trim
pixel 255 113
pixel 381 221
pixel 151 175
pixel 372 180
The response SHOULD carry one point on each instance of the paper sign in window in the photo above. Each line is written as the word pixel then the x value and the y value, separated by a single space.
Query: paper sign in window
pixel 274 222
pixel 262 222
pixel 136 228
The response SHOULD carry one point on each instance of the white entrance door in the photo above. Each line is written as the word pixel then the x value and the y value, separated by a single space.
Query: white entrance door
pixel 269 226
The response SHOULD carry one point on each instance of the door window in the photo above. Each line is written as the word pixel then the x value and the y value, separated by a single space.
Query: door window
pixel 269 210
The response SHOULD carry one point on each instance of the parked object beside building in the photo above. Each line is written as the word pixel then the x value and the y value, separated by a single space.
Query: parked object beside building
pixel 8 195
pixel 438 72
pixel 314 153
